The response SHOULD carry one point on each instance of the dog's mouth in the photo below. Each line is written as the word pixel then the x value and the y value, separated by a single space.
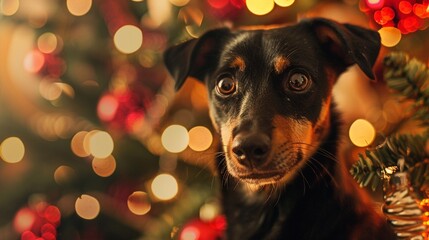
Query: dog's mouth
pixel 278 171
pixel 261 178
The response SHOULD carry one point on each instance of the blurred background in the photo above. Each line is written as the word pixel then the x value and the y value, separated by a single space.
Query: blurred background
pixel 95 144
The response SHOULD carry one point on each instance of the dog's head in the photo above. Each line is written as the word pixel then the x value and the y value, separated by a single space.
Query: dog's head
pixel 270 90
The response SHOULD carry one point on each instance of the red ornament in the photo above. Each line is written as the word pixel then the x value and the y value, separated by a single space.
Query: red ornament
pixel 204 230
pixel 405 7
pixel 387 13
pixel 406 15
pixel 52 214
pixel 28 235
pixel 421 10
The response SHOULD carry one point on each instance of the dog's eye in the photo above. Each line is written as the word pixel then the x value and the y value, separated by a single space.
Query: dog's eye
pixel 226 86
pixel 298 82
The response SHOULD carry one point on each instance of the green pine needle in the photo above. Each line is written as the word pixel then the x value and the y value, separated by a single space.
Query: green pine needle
pixel 410 79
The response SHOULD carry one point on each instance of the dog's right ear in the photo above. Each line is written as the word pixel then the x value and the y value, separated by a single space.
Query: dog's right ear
pixel 196 57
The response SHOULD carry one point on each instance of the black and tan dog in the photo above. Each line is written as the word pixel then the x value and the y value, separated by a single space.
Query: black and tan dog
pixel 270 101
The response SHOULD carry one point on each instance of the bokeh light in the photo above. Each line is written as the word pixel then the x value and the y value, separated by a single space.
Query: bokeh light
pixel 405 7
pixel 200 138
pixel 128 39
pixel 47 42
pixel 77 144
pixel 63 174
pixel 24 220
pixel 100 144
pixel 107 107
pixel 52 214
pixel 79 7
pixel 9 7
pixel 138 203
pixel 164 187
pixel 260 7
pixel 218 3
pixel 375 4
pixel 209 211
pixel 362 133
pixel 284 3
pixel 390 36
pixel 34 61
pixel 175 138
pixel 87 207
pixel 104 167
pixel 12 150
pixel 190 233
pixel 50 90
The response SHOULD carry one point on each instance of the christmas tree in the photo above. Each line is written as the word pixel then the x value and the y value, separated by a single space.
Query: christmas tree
pixel 93 137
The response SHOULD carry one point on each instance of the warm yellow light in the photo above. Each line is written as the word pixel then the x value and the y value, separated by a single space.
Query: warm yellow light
pixel 24 219
pixel 361 133
pixel 128 39
pixel 164 187
pixel 77 144
pixel 260 7
pixel 190 233
pixel 138 203
pixel 284 3
pixel 179 3
pixel 79 7
pixel 47 42
pixel 87 207
pixel 9 7
pixel 34 61
pixel 104 167
pixel 63 174
pixel 100 144
pixel 390 36
pixel 50 90
pixel 175 138
pixel 12 150
pixel 200 138
pixel 209 211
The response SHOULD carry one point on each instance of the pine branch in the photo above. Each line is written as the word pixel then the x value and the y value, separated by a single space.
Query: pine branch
pixel 410 78
pixel 372 166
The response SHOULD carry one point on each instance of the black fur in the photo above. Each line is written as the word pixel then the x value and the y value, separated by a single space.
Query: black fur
pixel 308 208
pixel 302 201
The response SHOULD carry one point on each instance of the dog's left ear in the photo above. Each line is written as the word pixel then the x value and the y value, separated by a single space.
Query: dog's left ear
pixel 195 57
pixel 349 44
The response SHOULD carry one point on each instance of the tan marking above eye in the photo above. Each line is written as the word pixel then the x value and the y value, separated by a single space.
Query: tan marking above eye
pixel 239 63
pixel 280 64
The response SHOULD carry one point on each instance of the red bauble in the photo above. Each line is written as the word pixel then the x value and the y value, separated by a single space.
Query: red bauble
pixel 204 230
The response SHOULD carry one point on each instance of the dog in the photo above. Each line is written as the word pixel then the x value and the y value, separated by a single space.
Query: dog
pixel 270 100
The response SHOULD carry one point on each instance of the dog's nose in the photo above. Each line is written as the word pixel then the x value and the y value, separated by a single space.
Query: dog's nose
pixel 251 149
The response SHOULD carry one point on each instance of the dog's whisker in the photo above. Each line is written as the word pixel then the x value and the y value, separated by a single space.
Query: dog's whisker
pixel 320 150
pixel 326 170
pixel 305 182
